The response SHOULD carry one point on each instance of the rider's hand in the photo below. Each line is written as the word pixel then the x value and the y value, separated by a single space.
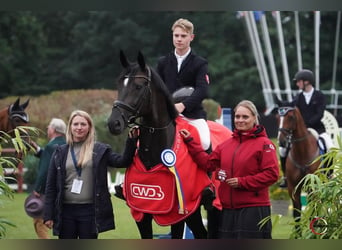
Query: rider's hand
pixel 180 107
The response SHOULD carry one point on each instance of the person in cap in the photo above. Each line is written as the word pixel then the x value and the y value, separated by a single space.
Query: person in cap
pixel 312 104
pixel 56 135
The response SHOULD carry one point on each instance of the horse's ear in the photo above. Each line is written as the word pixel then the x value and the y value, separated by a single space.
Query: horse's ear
pixel 278 101
pixel 16 103
pixel 123 59
pixel 25 104
pixel 141 61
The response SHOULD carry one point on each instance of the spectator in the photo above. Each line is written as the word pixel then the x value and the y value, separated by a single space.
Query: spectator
pixel 78 202
pixel 56 135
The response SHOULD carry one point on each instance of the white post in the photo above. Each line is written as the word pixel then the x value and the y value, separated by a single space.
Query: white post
pixel 283 56
pixel 317 26
pixel 270 56
pixel 299 49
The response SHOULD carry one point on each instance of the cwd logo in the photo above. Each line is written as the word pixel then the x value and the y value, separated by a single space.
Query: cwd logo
pixel 149 192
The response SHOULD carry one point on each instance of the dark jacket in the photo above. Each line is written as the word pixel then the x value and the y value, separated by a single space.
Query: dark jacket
pixel 103 157
pixel 44 155
pixel 251 157
pixel 313 112
pixel 194 73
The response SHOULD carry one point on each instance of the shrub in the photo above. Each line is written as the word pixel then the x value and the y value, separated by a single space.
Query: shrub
pixel 322 216
pixel 10 162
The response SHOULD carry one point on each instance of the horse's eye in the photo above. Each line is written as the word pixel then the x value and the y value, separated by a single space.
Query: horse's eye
pixel 138 86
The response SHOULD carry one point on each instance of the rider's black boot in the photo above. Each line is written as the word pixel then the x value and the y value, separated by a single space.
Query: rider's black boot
pixel 283 183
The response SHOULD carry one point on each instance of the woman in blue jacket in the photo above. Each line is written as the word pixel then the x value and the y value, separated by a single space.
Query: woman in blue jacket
pixel 77 202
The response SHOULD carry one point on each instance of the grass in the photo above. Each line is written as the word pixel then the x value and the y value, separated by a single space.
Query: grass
pixel 14 211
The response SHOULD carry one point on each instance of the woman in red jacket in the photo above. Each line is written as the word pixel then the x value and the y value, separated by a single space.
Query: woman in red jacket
pixel 247 165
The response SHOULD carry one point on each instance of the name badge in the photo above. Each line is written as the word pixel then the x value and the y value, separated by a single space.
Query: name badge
pixel 76 186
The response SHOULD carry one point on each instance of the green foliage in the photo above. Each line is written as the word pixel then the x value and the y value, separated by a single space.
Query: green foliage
pixel 322 217
pixel 212 108
pixel 31 164
pixel 20 147
pixel 277 193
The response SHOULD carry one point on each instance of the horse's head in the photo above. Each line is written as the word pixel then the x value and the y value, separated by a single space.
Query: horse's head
pixel 286 115
pixel 14 116
pixel 134 92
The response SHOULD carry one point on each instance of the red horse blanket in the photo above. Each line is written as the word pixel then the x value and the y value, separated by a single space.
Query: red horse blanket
pixel 154 191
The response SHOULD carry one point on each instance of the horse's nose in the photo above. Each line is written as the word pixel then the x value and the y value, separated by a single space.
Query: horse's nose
pixel 116 126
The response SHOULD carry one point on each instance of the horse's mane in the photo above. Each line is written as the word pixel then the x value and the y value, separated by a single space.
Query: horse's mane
pixel 159 83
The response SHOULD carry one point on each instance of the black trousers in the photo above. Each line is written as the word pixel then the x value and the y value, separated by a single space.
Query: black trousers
pixel 78 222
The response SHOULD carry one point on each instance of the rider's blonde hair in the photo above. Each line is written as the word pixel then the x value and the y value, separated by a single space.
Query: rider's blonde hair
pixel 184 24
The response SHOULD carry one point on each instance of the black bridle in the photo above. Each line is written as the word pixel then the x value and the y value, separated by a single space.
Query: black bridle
pixel 135 112
pixel 282 111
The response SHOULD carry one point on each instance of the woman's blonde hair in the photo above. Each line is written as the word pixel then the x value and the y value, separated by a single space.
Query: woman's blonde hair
pixel 249 105
pixel 86 153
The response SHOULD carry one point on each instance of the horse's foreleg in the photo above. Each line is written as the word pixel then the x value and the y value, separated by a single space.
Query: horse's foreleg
pixel 195 224
pixel 145 227
pixel 177 230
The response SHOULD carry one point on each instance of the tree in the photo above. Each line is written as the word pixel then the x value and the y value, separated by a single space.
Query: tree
pixel 22 47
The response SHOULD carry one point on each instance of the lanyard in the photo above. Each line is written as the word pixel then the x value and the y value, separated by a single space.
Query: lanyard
pixel 73 156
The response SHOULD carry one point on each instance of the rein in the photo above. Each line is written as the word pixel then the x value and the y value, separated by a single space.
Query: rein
pixel 304 167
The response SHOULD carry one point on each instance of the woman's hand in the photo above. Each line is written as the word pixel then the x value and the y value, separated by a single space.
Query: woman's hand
pixel 133 132
pixel 184 133
pixel 233 182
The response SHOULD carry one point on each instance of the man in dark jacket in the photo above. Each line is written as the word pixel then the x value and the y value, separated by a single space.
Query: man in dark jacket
pixel 311 103
pixel 56 135
pixel 183 68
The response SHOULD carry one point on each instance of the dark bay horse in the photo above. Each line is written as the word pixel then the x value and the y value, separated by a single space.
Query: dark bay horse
pixel 14 115
pixel 163 183
pixel 303 152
